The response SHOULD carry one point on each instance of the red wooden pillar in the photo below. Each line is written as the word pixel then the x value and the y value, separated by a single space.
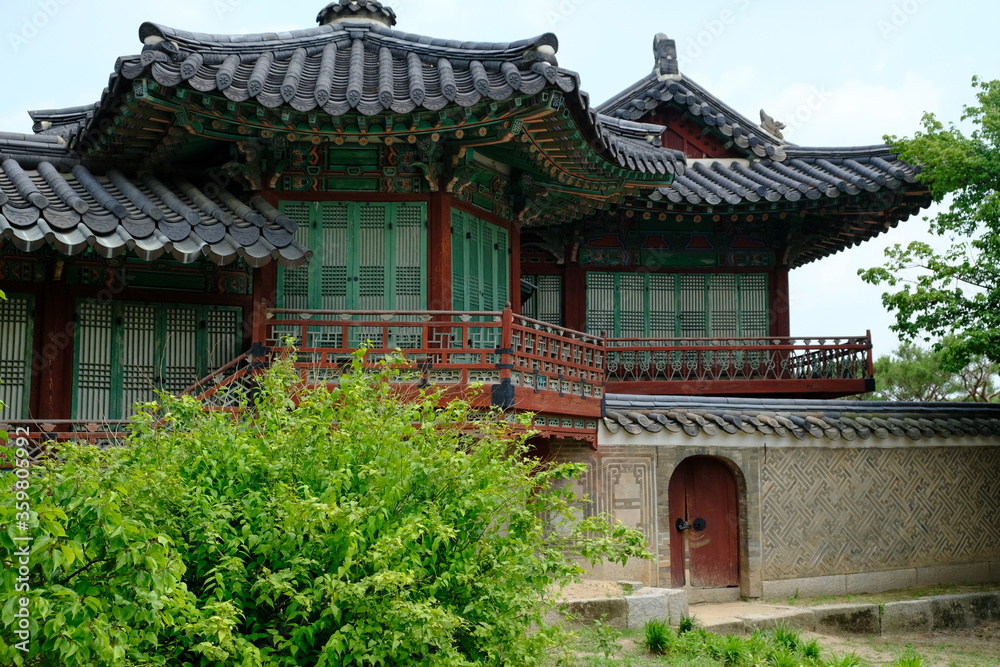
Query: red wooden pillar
pixel 779 320
pixel 265 297
pixel 439 295
pixel 515 266
pixel 52 364
pixel 575 297
pixel 779 315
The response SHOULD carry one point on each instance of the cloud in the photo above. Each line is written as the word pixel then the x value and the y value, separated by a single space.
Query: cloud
pixel 855 113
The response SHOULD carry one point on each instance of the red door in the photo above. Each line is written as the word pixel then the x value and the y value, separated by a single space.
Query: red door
pixel 704 525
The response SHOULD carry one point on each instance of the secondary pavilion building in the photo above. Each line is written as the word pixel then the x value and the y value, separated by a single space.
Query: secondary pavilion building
pixel 354 185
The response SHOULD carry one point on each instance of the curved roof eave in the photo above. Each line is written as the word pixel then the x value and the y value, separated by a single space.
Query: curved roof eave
pixel 360 68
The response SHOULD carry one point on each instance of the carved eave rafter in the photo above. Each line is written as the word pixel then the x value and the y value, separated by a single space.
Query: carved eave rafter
pixel 564 176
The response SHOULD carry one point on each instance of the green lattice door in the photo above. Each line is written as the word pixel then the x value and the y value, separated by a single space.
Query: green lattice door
pixel 651 305
pixel 367 256
pixel 17 319
pixel 480 264
pixel 545 303
pixel 127 351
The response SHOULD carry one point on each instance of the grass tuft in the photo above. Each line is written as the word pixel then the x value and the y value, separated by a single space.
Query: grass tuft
pixel 658 637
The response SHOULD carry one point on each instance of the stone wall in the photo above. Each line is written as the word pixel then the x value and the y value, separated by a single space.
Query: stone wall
pixel 817 517
pixel 830 511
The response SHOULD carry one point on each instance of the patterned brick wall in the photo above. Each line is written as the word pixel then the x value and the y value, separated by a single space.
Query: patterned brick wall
pixel 834 511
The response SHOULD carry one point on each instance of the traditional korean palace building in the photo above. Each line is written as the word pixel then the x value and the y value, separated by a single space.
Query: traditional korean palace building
pixel 619 270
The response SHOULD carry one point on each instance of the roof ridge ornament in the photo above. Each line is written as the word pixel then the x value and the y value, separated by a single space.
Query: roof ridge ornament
pixel 771 126
pixel 665 51
pixel 362 11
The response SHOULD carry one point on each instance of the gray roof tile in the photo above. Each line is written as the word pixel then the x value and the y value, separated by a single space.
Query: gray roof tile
pixel 799 418
pixel 114 214
pixel 368 69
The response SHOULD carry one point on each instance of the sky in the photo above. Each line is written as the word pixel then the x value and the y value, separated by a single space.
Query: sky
pixel 837 74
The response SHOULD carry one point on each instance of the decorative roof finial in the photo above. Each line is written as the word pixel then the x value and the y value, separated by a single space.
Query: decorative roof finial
pixel 362 11
pixel 771 126
pixel 665 51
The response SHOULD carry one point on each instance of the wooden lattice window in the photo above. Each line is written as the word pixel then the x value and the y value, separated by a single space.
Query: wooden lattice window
pixel 663 305
pixel 480 264
pixel 367 256
pixel 17 319
pixel 545 303
pixel 127 351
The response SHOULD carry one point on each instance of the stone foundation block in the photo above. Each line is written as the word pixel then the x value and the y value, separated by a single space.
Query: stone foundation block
pixel 907 617
pixel 970 573
pixel 848 619
pixel 983 607
pixel 809 587
pixel 876 582
pixel 643 608
pixel 950 612
pixel 612 611
pixel 727 626
pixel 677 602
pixel 800 619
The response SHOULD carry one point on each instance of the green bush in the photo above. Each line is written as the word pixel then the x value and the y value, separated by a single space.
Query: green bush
pixel 341 526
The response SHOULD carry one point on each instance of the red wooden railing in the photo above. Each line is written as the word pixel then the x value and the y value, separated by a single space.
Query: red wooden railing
pixel 526 364
pixel 445 347
pixel 737 359
pixel 501 348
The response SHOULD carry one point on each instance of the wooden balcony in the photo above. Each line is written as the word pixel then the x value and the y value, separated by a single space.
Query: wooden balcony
pixel 536 366
pixel 775 367
pixel 522 364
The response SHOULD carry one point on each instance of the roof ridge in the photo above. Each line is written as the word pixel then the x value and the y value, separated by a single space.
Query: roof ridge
pixel 152 34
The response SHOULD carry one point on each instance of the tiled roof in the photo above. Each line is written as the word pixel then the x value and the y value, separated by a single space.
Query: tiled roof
pixel 113 213
pixel 366 68
pixel 804 174
pixel 347 9
pixel 30 149
pixel 640 99
pixel 344 67
pixel 799 419
pixel 779 170
pixel 62 122
pixel 860 191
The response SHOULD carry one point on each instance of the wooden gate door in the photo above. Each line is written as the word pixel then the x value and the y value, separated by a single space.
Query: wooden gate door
pixel 704 525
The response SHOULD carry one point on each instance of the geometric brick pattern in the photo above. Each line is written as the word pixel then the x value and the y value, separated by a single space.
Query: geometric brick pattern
pixel 626 491
pixel 622 486
pixel 835 511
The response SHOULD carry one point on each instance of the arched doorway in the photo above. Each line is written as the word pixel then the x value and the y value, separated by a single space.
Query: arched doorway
pixel 704 525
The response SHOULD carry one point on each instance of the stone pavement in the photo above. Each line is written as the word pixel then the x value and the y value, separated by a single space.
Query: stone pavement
pixel 938 612
pixel 925 614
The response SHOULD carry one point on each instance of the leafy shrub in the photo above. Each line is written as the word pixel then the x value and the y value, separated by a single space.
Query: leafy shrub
pixel 341 526
pixel 607 638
